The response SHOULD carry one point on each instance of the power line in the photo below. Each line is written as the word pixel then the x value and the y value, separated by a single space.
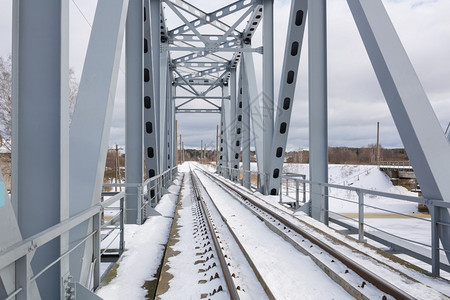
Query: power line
pixel 81 12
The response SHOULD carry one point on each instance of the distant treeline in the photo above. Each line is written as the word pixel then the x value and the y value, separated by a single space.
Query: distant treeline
pixel 336 155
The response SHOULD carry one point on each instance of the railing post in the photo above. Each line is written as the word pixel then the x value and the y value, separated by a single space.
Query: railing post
pixel 287 186
pixel 435 261
pixel 360 215
pixel 281 190
pixel 122 238
pixel 23 277
pixel 297 194
pixel 323 213
pixel 139 205
pixel 96 249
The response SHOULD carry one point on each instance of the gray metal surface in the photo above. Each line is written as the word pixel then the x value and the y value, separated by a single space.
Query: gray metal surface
pixel 91 122
pixel 318 110
pixel 417 124
pixel 134 79
pixel 294 42
pixel 267 92
pixel 41 128
pixel 151 150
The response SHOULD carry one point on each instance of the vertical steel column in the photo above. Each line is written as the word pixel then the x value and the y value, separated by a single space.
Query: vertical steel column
pixel 238 128
pixel 267 112
pixel 40 150
pixel 251 92
pixel 134 50
pixel 318 113
pixel 155 19
pixel 174 126
pixel 163 95
pixel 233 124
pixel 151 149
pixel 294 42
pixel 222 147
pixel 228 128
pixel 246 182
pixel 225 110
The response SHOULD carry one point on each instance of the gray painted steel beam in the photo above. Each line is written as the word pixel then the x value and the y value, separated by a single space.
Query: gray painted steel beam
pixel 251 92
pixel 417 124
pixel 134 60
pixel 163 71
pixel 294 42
pixel 318 111
pixel 237 128
pixel 151 151
pixel 155 24
pixel 198 111
pixel 233 124
pixel 268 93
pixel 246 180
pixel 40 136
pixel 91 123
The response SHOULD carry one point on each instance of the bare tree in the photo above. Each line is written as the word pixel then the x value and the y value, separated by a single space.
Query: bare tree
pixel 5 98
pixel 5 101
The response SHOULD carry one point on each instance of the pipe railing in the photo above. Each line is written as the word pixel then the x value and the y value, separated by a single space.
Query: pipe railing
pixel 21 253
pixel 303 186
pixel 434 206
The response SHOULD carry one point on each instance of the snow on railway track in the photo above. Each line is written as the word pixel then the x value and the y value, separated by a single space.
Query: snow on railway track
pixel 363 277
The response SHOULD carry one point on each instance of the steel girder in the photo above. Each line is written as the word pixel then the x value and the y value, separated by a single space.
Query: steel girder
pixel 296 28
pixel 134 60
pixel 91 123
pixel 318 110
pixel 40 134
pixel 151 150
pixel 424 141
pixel 246 180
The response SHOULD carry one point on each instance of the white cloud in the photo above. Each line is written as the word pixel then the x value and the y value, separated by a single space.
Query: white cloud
pixel 355 99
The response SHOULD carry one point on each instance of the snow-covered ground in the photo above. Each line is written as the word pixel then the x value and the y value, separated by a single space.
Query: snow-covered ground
pixel 144 250
pixel 145 243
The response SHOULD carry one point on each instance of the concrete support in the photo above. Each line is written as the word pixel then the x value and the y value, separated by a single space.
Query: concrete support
pixel 40 135
pixel 318 111
pixel 134 50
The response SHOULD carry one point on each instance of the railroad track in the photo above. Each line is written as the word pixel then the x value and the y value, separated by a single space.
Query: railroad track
pixel 228 276
pixel 358 280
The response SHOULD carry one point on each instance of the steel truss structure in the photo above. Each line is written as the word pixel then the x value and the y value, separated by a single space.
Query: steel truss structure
pixel 205 65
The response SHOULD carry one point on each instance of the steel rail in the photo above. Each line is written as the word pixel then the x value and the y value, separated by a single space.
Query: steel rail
pixel 364 273
pixel 241 247
pixel 223 264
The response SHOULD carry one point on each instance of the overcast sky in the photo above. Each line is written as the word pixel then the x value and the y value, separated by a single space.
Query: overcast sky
pixel 355 100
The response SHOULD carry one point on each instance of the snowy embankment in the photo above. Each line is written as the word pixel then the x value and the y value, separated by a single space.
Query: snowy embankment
pixel 144 251
pixel 368 177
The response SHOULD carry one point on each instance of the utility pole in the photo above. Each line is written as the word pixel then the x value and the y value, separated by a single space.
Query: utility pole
pixel 181 152
pixel 217 146
pixel 201 152
pixel 116 168
pixel 378 143
pixel 184 156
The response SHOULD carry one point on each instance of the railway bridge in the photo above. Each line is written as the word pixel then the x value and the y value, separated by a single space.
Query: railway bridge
pixel 57 234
